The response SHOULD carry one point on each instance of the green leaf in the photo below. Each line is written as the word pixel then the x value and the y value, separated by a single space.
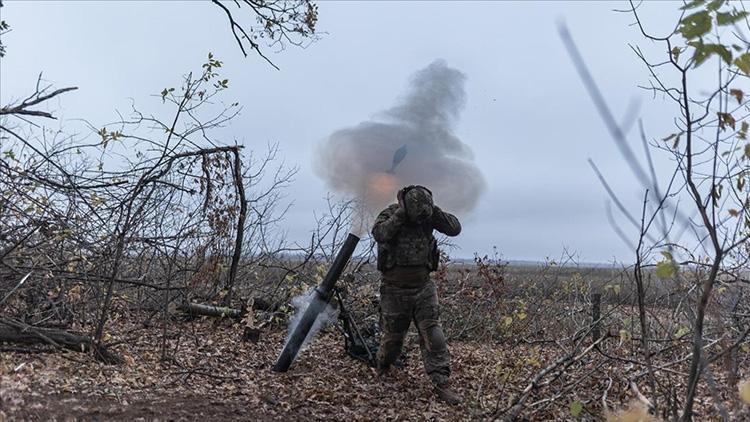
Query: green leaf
pixel 695 25
pixel 742 133
pixel 507 321
pixel 743 63
pixel 714 5
pixel 722 51
pixel 747 151
pixel 681 332
pixel 676 53
pixel 693 4
pixel 576 408
pixel 666 269
pixel 704 51
pixel 728 18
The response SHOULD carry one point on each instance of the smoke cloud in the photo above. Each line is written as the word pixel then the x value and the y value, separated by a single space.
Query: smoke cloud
pixel 362 161
pixel 300 303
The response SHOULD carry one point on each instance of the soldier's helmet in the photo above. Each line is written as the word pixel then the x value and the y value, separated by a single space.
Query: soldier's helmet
pixel 418 203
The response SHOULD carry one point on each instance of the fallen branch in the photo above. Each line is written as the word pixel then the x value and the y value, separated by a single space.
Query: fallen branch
pixel 518 404
pixel 12 331
pixel 210 310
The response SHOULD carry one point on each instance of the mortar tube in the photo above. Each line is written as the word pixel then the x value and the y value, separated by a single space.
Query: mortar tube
pixel 321 296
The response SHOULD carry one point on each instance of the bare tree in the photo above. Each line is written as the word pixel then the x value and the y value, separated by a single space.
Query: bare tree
pixel 147 206
pixel 278 23
pixel 711 157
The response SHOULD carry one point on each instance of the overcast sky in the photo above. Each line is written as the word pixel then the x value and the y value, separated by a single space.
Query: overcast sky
pixel 527 118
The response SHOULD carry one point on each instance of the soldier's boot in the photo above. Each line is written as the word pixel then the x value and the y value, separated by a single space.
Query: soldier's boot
pixel 447 394
pixel 383 370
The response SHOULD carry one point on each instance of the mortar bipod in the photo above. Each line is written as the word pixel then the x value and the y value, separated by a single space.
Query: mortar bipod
pixel 354 343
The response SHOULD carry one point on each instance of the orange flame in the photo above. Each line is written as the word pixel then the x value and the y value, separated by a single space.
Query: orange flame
pixel 381 188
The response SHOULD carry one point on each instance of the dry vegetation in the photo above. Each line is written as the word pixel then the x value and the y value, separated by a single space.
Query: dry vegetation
pixel 520 338
pixel 113 244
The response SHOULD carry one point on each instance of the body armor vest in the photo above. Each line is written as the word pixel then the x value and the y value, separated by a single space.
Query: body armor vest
pixel 413 246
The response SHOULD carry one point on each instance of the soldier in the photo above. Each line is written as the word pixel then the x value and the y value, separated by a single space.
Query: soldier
pixel 407 253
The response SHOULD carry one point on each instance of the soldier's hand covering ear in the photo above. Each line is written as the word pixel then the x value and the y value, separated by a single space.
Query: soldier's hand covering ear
pixel 400 196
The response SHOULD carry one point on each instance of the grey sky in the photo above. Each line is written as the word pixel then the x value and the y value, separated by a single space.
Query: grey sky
pixel 527 119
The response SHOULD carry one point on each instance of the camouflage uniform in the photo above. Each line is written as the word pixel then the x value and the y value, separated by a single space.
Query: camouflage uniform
pixel 407 253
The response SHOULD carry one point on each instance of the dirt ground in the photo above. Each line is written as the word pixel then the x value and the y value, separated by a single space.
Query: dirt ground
pixel 221 377
pixel 213 375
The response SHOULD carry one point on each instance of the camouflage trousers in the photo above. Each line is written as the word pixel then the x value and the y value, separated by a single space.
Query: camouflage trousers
pixel 400 306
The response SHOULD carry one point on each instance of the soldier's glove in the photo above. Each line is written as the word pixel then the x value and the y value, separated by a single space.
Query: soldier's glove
pixel 401 203
pixel 400 213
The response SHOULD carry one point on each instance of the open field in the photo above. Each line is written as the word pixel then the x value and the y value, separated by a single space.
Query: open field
pixel 512 331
